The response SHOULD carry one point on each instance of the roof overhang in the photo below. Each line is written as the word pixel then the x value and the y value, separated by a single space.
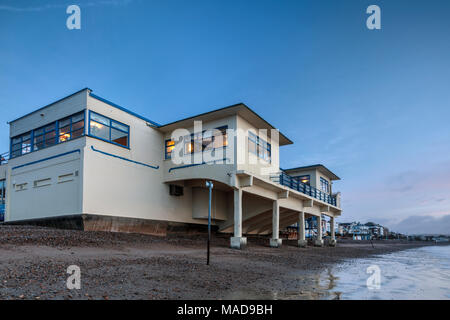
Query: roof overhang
pixel 320 167
pixel 238 109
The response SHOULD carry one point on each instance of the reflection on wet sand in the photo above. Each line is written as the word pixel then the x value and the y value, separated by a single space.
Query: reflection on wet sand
pixel 421 273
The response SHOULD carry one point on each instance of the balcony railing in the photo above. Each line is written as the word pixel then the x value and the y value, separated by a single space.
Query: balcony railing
pixel 4 157
pixel 294 183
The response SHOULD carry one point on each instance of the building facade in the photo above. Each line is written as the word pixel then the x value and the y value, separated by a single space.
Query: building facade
pixel 85 162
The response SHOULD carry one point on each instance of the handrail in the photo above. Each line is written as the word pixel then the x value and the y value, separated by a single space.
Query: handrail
pixel 4 157
pixel 295 183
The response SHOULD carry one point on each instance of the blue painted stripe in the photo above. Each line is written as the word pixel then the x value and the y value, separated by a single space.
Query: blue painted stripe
pixel 45 159
pixel 123 109
pixel 196 164
pixel 125 159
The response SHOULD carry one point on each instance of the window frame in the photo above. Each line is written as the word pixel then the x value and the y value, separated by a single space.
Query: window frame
pixel 324 183
pixel 55 129
pixel 191 141
pixel 266 147
pixel 168 155
pixel 110 126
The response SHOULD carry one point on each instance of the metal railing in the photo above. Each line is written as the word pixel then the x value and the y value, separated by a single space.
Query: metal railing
pixel 294 183
pixel 4 157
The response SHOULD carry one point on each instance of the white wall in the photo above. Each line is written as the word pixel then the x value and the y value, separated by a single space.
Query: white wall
pixel 48 187
pixel 118 187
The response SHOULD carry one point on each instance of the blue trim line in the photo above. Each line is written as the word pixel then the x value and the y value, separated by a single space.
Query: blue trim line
pixel 196 164
pixel 122 158
pixel 123 109
pixel 45 159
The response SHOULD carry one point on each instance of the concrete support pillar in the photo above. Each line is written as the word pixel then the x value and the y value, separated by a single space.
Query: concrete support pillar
pixel 319 240
pixel 301 229
pixel 275 241
pixel 238 241
pixel 333 233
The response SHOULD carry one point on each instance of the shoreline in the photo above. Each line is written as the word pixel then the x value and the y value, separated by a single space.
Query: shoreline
pixel 33 263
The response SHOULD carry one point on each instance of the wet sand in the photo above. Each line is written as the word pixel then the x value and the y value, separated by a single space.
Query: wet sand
pixel 34 260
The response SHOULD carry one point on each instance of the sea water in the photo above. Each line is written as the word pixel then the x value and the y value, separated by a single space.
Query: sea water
pixel 420 273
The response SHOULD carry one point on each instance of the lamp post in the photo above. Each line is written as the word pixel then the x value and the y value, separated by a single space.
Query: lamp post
pixel 209 185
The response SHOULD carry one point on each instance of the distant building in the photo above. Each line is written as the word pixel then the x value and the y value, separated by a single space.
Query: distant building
pixel 356 230
pixel 376 230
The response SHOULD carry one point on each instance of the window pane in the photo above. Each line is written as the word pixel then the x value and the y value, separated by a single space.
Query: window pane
pixel 50 139
pixel 251 146
pixel 119 137
pixel 38 142
pixel 304 179
pixel 16 153
pixel 188 147
pixel 26 146
pixel 170 144
pixel 207 142
pixel 78 125
pixel 99 130
pixel 64 134
pixel 17 140
pixel 50 127
pixel 77 133
pixel 100 119
pixel 78 117
pixel 63 123
pixel 38 132
pixel 119 126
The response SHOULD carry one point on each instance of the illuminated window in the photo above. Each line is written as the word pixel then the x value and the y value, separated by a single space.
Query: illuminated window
pixel 108 129
pixel 207 140
pixel 306 179
pixel 71 127
pixel 259 147
pixel 170 144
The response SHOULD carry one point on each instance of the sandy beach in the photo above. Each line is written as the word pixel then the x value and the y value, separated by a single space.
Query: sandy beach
pixel 33 263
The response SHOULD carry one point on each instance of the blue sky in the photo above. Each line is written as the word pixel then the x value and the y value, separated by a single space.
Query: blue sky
pixel 372 105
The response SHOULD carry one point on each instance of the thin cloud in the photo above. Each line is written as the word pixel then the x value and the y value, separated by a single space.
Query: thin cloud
pixel 59 6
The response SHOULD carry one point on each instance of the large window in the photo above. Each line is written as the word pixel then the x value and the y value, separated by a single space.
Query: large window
pixel 109 130
pixel 259 147
pixel 201 141
pixel 324 185
pixel 56 132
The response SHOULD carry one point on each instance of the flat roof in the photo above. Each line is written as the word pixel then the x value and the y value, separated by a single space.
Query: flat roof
pixel 240 108
pixel 319 167
pixel 48 105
